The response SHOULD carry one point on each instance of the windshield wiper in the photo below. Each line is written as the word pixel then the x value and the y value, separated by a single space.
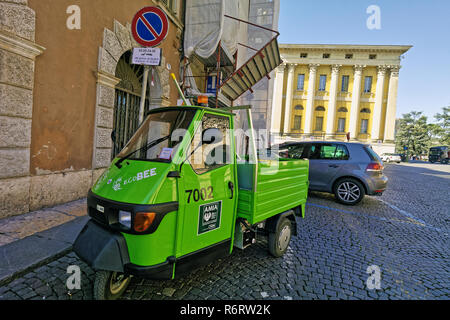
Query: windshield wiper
pixel 146 147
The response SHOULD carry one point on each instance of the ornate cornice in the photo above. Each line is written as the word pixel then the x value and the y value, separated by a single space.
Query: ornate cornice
pixel 359 68
pixel 335 68
pixel 291 67
pixel 22 47
pixel 107 79
pixel 382 70
pixel 313 67
pixel 395 71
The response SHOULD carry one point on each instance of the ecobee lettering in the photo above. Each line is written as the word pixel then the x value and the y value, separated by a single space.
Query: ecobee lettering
pixel 141 176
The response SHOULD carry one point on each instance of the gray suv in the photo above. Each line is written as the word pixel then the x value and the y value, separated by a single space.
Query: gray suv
pixel 348 170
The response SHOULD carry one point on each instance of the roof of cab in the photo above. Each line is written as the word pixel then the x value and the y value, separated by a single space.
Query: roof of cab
pixel 190 108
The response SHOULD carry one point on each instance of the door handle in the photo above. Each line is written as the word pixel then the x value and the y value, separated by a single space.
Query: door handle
pixel 231 187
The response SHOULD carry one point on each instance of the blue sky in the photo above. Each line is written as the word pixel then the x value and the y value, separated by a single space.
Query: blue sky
pixel 425 75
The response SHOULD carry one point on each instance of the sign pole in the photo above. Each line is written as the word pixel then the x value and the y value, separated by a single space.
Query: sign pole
pixel 143 93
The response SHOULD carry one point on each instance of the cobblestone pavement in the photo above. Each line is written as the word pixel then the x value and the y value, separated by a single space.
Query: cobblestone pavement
pixel 405 233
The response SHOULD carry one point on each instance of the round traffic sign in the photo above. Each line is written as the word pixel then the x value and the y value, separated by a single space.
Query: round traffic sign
pixel 150 26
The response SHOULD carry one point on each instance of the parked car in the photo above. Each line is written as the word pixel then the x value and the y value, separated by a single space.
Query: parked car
pixel 350 171
pixel 391 157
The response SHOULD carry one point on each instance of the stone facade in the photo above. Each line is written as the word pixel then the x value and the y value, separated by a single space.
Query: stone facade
pixel 18 52
pixel 115 44
pixel 24 184
pixel 328 91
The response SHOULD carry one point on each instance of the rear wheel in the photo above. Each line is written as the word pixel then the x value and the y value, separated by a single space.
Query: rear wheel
pixel 349 191
pixel 110 285
pixel 445 161
pixel 280 239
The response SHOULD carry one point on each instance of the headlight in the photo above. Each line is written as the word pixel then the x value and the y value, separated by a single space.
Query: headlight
pixel 125 219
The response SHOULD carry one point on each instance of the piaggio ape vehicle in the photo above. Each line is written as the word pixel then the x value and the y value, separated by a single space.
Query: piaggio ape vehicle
pixel 179 196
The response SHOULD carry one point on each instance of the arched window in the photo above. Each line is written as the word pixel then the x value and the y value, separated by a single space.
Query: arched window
pixel 365 110
pixel 299 108
pixel 128 101
pixel 320 109
pixel 343 109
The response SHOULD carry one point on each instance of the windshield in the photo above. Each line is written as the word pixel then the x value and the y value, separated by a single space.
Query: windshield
pixel 159 136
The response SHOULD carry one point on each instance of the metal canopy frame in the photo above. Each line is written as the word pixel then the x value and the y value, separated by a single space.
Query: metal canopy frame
pixel 254 70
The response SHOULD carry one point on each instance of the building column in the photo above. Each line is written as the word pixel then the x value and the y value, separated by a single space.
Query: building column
pixel 289 99
pixel 311 96
pixel 277 102
pixel 378 110
pixel 356 98
pixel 333 99
pixel 18 53
pixel 391 111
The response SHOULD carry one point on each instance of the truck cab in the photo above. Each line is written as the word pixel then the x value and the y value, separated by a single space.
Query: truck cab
pixel 439 154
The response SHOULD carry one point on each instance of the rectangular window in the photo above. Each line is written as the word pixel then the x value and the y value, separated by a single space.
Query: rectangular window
pixel 323 82
pixel 207 157
pixel 345 81
pixel 301 82
pixel 349 56
pixel 326 55
pixel 297 122
pixel 319 123
pixel 341 153
pixel 368 85
pixel 372 56
pixel 303 55
pixel 341 125
pixel 333 152
pixel 364 126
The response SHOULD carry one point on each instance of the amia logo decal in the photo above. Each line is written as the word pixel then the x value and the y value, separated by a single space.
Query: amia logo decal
pixel 209 217
pixel 118 183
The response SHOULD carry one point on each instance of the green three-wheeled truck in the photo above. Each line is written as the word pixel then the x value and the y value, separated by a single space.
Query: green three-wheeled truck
pixel 179 195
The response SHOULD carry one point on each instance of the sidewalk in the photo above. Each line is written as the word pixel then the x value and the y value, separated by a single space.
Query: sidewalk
pixel 36 238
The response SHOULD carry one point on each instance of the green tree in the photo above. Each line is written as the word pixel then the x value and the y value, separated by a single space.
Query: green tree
pixel 443 121
pixel 413 133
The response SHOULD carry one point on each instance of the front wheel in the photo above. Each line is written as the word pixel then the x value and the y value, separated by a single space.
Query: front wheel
pixel 349 192
pixel 280 239
pixel 110 285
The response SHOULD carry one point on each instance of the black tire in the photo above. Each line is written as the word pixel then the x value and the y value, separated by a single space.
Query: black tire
pixel 280 239
pixel 349 191
pixel 445 161
pixel 105 286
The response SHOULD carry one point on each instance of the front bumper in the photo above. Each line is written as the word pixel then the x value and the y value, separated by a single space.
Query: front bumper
pixel 102 249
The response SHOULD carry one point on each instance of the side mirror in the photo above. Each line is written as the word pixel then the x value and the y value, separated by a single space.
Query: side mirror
pixel 212 135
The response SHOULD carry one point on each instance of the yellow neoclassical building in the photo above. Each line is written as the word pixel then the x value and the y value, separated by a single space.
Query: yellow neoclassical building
pixel 331 91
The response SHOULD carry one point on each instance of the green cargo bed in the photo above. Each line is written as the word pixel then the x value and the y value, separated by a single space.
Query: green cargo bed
pixel 279 186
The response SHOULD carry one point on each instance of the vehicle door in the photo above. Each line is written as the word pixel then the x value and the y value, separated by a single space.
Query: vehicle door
pixel 326 160
pixel 209 186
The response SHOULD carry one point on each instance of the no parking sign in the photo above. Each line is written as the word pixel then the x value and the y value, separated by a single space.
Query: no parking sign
pixel 150 26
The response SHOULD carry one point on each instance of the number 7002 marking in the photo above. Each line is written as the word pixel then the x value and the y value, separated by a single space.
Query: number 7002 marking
pixel 202 194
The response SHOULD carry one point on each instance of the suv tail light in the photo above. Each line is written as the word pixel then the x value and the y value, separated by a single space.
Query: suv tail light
pixel 375 167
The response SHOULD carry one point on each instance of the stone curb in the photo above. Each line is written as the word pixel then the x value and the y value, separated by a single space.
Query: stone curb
pixel 38 249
